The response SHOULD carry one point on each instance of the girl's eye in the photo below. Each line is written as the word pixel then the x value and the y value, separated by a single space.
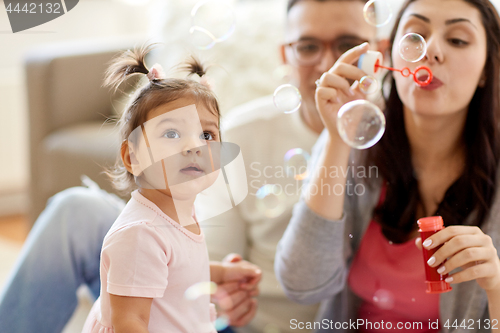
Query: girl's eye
pixel 206 136
pixel 171 134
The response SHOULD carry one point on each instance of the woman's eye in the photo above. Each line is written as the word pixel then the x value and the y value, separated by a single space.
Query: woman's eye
pixel 458 42
pixel 206 136
pixel 171 135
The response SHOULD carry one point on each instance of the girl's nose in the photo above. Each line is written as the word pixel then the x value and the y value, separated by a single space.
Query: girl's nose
pixel 193 146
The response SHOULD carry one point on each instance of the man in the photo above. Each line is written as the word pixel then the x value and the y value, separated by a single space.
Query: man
pixel 317 33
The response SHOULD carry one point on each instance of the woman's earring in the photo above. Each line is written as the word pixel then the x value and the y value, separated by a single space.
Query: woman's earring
pixel 482 81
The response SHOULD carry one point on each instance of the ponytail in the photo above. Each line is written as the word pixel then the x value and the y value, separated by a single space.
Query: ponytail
pixel 126 64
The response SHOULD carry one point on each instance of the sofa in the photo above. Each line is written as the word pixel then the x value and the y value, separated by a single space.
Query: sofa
pixel 70 117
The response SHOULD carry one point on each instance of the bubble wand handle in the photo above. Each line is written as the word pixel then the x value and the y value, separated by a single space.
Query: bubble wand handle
pixel 406 72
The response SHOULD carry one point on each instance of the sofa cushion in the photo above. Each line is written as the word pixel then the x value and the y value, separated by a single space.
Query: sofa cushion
pixel 95 140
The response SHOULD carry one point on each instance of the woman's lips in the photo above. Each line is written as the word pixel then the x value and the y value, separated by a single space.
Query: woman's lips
pixel 192 169
pixel 435 83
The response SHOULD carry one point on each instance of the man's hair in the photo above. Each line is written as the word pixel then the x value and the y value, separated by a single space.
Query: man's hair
pixel 292 3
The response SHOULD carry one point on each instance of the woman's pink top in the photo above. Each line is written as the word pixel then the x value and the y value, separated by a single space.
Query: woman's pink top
pixel 147 254
pixel 390 279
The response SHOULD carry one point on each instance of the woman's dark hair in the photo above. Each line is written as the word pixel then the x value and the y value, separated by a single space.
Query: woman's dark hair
pixel 474 190
pixel 153 94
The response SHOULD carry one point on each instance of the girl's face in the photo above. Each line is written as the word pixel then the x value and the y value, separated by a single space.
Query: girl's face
pixel 179 149
pixel 456 55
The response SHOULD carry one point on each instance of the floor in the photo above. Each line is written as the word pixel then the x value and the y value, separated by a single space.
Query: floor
pixel 13 233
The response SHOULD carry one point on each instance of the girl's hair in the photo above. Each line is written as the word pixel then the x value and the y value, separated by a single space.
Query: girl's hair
pixel 151 95
pixel 474 190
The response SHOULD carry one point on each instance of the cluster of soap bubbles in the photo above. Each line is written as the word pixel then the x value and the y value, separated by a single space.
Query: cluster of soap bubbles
pixel 212 22
pixel 361 123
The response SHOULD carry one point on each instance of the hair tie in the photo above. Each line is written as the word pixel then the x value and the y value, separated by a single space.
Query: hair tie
pixel 156 73
pixel 206 81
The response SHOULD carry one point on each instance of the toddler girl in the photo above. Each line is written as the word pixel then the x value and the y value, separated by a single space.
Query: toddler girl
pixel 155 249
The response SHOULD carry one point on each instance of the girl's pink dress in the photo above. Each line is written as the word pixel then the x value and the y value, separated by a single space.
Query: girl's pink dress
pixel 147 254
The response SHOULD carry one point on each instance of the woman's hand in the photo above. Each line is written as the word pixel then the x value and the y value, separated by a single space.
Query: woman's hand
pixel 333 88
pixel 469 248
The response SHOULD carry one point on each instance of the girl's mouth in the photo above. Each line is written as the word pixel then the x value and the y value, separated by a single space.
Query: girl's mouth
pixel 192 169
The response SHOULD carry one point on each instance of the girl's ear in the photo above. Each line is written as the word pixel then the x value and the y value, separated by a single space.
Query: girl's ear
pixel 128 158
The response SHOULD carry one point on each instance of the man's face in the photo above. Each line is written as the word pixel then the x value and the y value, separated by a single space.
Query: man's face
pixel 341 22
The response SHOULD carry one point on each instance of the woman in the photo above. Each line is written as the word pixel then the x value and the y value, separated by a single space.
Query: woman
pixel 439 156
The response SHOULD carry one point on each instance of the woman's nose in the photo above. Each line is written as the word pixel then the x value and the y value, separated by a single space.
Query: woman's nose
pixel 434 52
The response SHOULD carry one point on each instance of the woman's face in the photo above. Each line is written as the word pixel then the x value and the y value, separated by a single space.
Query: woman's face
pixel 456 55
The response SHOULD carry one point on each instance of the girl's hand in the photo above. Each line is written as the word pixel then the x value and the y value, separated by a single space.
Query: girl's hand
pixel 333 88
pixel 237 289
pixel 469 248
pixel 237 269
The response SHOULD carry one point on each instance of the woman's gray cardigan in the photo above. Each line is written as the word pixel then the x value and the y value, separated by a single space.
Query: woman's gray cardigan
pixel 314 256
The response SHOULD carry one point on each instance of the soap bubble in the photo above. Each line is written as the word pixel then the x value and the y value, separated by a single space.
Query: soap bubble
pixel 221 323
pixel 270 200
pixel 368 85
pixel 200 289
pixel 296 163
pixel 377 12
pixel 287 98
pixel 360 123
pixel 412 47
pixel 384 299
pixel 212 21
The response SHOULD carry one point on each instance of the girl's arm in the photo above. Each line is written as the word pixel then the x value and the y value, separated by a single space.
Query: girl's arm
pixel 130 314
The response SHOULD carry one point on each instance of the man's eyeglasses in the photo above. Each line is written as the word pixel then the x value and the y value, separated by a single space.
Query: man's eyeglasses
pixel 309 52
